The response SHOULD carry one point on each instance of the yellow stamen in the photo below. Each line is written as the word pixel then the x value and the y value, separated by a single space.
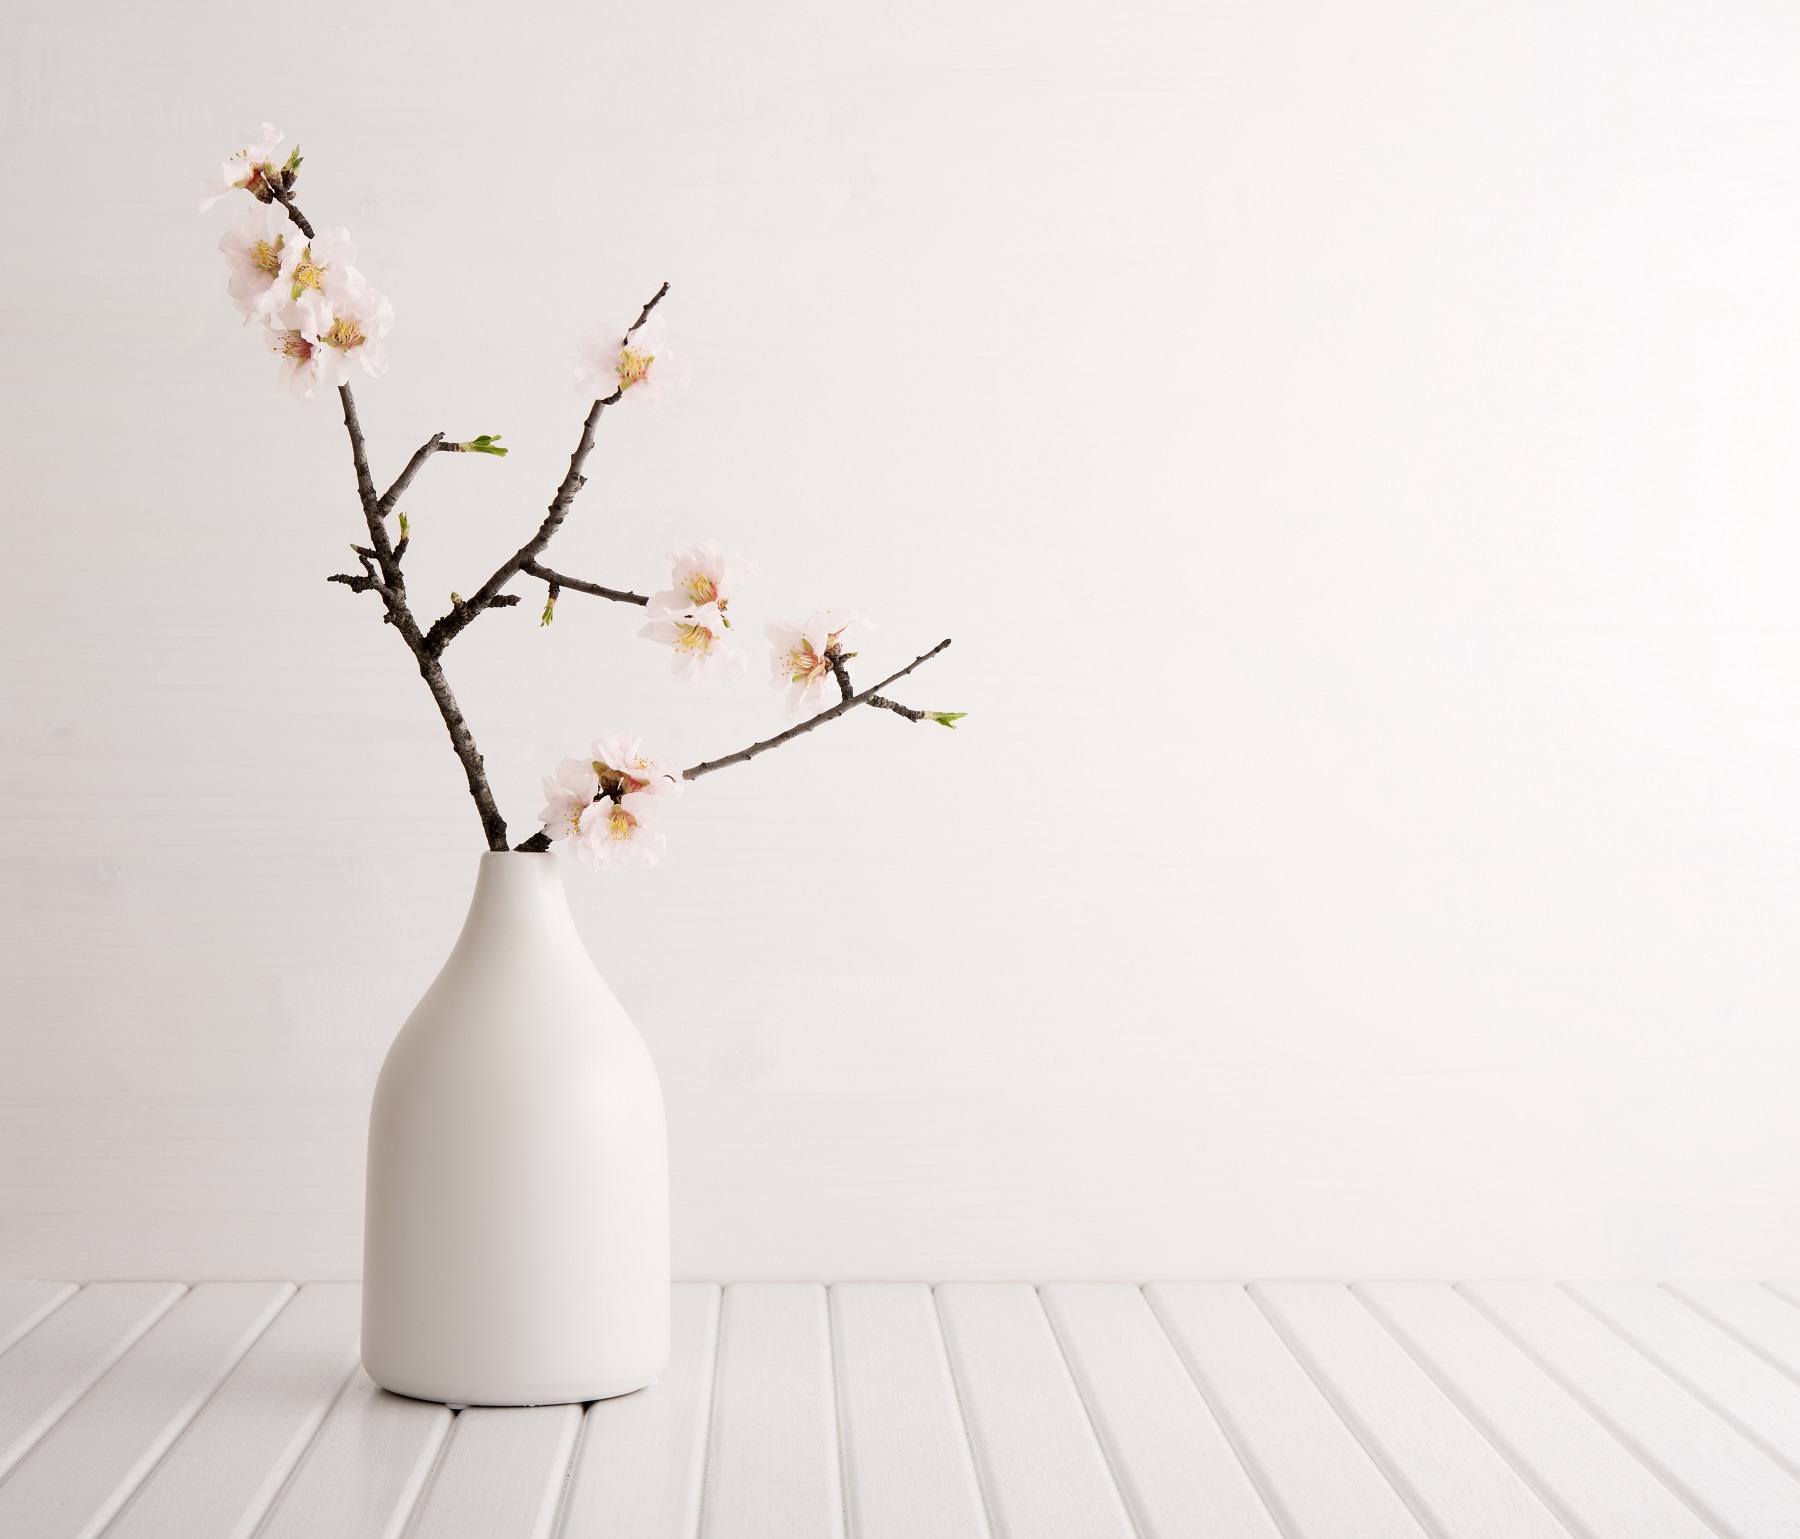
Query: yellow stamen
pixel 308 274
pixel 267 258
pixel 692 638
pixel 632 366
pixel 345 333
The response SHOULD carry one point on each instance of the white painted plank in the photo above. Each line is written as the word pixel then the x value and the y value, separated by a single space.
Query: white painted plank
pixel 1446 1471
pixel 74 1481
pixel 364 1471
pixel 224 1471
pixel 23 1303
pixel 1713 1367
pixel 639 1465
pixel 51 1368
pixel 1042 1467
pixel 1768 1325
pixel 1787 1289
pixel 908 1470
pixel 501 1475
pixel 1175 1468
pixel 1582 1472
pixel 1709 1464
pixel 1316 1478
pixel 772 1464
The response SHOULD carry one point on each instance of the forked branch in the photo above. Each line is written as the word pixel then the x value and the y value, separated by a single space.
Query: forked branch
pixel 849 702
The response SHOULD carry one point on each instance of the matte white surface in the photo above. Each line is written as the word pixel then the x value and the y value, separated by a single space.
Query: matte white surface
pixel 843 1414
pixel 1365 431
pixel 516 1244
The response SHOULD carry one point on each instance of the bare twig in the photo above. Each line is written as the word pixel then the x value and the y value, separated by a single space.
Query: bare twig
pixel 424 452
pixel 744 755
pixel 557 580
pixel 450 626
pixel 278 191
pixel 897 708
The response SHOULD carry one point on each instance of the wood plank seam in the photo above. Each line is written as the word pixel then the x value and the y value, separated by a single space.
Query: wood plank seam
pixel 1728 1413
pixel 1592 1411
pixel 962 1411
pixel 1720 1323
pixel 92 1373
pixel 837 1417
pixel 1548 1496
pixel 1248 1465
pixel 252 1523
pixel 561 1515
pixel 1062 1356
pixel 123 1501
pixel 406 1513
pixel 1748 1342
pixel 712 1413
pixel 25 1324
pixel 1346 1414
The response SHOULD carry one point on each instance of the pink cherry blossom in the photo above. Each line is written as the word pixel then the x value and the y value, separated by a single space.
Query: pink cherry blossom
pixel 353 334
pixel 622 768
pixel 254 248
pixel 568 795
pixel 697 635
pixel 702 574
pixel 248 168
pixel 800 659
pixel 616 833
pixel 319 272
pixel 638 366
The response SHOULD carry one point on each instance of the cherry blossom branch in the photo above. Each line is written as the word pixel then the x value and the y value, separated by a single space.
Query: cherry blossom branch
pixel 841 672
pixel 446 629
pixel 895 706
pixel 557 580
pixel 278 191
pixel 745 755
pixel 413 466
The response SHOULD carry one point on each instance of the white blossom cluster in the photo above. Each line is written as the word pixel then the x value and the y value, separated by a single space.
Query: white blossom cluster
pixel 321 316
pixel 604 808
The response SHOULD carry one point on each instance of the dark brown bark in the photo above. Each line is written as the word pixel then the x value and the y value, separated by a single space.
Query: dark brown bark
pixel 744 755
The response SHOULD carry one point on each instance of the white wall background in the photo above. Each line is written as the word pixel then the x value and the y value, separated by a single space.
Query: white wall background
pixel 1353 447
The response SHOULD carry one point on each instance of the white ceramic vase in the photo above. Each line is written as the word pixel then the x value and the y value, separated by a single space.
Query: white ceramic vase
pixel 516 1234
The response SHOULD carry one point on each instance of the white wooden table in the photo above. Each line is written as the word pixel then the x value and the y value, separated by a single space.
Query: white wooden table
pixel 1502 1410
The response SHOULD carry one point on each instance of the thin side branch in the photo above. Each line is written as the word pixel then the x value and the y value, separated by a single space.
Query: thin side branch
pixel 745 755
pixel 897 708
pixel 557 580
pixel 286 199
pixel 413 466
pixel 446 629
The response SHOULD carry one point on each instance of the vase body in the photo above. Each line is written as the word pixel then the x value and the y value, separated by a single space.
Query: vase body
pixel 516 1231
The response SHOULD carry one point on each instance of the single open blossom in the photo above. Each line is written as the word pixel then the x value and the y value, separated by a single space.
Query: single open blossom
pixel 568 795
pixel 702 574
pixel 253 249
pixel 615 833
pixel 250 168
pixel 638 365
pixel 299 356
pixel 622 768
pixel 348 331
pixel 317 273
pixel 697 634
pixel 800 661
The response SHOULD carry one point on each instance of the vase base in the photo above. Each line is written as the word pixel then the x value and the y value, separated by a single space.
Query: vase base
pixel 581 1395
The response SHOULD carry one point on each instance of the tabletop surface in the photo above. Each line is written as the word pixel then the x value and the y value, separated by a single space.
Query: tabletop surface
pixel 1281 1410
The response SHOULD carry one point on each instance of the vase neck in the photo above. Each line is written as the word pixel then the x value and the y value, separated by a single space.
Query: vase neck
pixel 519 894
